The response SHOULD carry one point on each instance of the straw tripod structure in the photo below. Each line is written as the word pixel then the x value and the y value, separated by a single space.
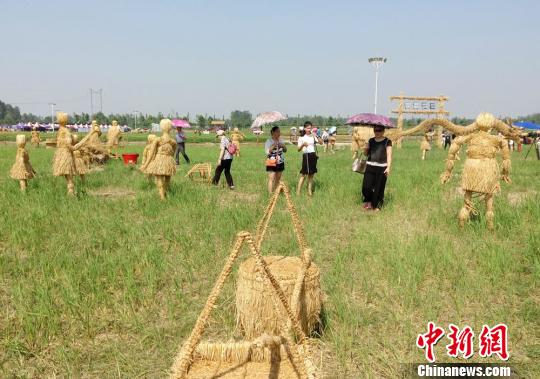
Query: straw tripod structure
pixel 298 277
pixel 241 360
pixel 203 169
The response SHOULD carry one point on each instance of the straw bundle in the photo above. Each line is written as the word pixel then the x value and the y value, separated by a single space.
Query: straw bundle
pixel 256 313
pixel 35 138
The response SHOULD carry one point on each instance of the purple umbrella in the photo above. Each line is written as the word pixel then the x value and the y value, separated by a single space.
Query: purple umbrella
pixel 370 119
pixel 180 123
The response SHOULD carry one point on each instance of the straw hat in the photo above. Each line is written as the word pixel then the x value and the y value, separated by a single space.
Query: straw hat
pixel 220 132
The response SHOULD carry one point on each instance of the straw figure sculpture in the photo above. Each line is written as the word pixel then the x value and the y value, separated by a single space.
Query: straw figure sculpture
pixel 94 149
pixel 298 277
pixel 237 136
pixel 360 136
pixel 81 162
pixel 114 135
pixel 286 355
pixel 425 146
pixel 204 171
pixel 160 160
pixel 22 170
pixel 147 148
pixel 481 172
pixel 64 161
pixel 35 140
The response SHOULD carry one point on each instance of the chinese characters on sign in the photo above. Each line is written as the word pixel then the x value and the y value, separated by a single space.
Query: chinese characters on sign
pixel 491 341
pixel 417 105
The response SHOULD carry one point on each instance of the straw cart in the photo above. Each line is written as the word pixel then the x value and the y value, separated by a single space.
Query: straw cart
pixel 204 171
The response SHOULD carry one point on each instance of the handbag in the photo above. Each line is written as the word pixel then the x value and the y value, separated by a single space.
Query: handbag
pixel 271 162
pixel 359 165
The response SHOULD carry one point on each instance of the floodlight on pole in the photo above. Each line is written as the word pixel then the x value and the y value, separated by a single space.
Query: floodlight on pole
pixel 376 62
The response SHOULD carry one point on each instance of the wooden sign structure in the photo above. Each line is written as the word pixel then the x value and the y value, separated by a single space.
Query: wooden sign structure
pixel 422 105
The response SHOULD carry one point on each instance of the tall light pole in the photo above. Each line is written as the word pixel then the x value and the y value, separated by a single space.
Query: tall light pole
pixel 52 114
pixel 376 62
pixel 135 113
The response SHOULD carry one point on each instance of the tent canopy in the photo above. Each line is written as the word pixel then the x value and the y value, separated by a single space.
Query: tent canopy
pixel 527 125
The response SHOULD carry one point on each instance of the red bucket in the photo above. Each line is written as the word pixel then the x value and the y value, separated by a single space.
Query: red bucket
pixel 130 158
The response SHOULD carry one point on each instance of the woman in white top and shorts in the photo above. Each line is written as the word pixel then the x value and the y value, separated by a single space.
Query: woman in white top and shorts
pixel 307 144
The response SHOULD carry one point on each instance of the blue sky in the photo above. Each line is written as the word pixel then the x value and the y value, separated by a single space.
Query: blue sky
pixel 299 57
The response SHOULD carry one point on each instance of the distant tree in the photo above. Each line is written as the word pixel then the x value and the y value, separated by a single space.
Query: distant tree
pixel 241 119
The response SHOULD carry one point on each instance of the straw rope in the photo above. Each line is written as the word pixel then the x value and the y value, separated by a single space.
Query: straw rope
pixel 262 226
pixel 184 358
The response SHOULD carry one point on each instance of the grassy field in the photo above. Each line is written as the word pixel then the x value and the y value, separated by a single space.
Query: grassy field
pixel 109 287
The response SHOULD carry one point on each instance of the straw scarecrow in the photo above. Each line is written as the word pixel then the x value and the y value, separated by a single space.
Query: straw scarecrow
pixel 81 161
pixel 64 161
pixel 425 146
pixel 36 140
pixel 160 160
pixel 114 135
pixel 237 137
pixel 146 152
pixel 94 150
pixel 359 138
pixel 22 170
pixel 481 172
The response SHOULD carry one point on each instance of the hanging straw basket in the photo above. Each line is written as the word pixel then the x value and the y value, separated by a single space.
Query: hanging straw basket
pixel 255 313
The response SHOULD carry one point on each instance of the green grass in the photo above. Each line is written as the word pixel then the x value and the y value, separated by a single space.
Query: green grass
pixel 100 287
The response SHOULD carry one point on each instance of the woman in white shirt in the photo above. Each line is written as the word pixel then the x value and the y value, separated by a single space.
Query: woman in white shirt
pixel 275 160
pixel 307 144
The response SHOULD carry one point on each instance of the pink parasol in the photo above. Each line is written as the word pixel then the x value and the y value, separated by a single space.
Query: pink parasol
pixel 370 119
pixel 267 118
pixel 180 123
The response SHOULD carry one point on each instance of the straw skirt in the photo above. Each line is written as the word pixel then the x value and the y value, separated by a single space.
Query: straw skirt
pixel 481 175
pixel 63 162
pixel 425 145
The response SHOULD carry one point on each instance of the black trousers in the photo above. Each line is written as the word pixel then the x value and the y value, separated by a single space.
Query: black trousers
pixel 224 166
pixel 373 185
pixel 447 143
pixel 180 148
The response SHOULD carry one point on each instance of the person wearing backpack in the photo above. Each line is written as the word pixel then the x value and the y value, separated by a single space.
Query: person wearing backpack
pixel 226 153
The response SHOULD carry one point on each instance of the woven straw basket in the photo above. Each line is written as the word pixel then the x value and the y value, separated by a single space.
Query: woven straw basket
pixel 257 315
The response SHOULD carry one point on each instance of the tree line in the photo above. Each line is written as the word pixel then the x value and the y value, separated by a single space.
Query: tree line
pixel 10 115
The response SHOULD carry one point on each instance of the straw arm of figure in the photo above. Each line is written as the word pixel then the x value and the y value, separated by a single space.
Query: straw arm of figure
pixel 428 124
pixel 452 156
pixel 506 163
pixel 84 141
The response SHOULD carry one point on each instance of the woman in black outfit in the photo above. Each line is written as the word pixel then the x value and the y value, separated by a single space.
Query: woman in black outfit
pixel 379 160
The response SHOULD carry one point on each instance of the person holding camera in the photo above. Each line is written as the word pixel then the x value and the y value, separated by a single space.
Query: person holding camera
pixel 275 160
